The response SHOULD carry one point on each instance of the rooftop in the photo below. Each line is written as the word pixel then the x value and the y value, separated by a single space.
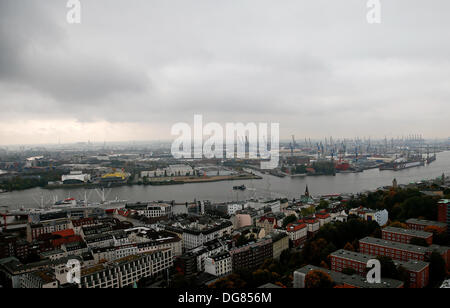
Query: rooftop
pixel 414 233
pixel 221 256
pixel 411 265
pixel 395 245
pixel 426 222
pixel 355 280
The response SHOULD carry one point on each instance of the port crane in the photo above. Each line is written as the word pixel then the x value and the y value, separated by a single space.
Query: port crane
pixel 5 223
pixel 294 143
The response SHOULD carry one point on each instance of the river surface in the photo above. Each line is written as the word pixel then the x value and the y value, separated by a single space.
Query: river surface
pixel 267 187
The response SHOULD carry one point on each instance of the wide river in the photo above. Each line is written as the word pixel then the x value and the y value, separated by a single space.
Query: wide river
pixel 269 186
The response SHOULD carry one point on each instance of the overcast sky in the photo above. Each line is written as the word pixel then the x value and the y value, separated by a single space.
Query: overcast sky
pixel 132 69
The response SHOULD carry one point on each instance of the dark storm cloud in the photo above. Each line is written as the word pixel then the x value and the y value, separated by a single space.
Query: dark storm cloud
pixel 316 67
pixel 33 53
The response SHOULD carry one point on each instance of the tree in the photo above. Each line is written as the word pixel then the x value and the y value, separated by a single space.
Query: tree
pixel 261 277
pixel 323 205
pixel 403 275
pixel 349 271
pixel 439 236
pixel 397 224
pixel 308 211
pixel 179 281
pixel 388 267
pixel 289 219
pixel 324 264
pixel 232 281
pixel 418 241
pixel 437 267
pixel 349 247
pixel 317 279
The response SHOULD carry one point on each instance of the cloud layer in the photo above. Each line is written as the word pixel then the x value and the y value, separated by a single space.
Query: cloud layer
pixel 136 68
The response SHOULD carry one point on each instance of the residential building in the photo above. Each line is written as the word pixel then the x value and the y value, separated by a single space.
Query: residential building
pixel 394 250
pixel 418 271
pixel 312 224
pixel 380 217
pixel 267 223
pixel 43 279
pixel 195 235
pixel 252 255
pixel 298 234
pixel 280 243
pixel 340 279
pixel 219 265
pixel 47 227
pixel 241 220
pixel 444 213
pixel 150 210
pixel 233 208
pixel 186 265
pixel 207 250
pixel 405 235
pixel 421 224
pixel 126 271
pixel 340 216
pixel 323 218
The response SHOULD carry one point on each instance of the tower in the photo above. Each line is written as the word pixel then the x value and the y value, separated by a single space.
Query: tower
pixel 307 191
pixel 394 184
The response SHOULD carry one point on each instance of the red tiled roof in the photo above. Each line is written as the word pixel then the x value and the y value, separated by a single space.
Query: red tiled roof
pixel 270 219
pixel 64 233
pixel 308 221
pixel 322 215
pixel 65 240
pixel 295 227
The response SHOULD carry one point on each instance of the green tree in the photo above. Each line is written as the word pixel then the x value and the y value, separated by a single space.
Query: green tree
pixel 317 279
pixel 289 219
pixel 388 267
pixel 323 205
pixel 419 242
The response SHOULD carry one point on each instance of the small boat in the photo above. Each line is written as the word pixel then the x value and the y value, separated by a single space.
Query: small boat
pixel 242 187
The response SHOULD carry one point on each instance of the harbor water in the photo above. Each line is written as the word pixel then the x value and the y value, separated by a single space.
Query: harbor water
pixel 268 187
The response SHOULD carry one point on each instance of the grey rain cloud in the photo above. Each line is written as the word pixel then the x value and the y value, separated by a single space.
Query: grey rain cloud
pixel 316 67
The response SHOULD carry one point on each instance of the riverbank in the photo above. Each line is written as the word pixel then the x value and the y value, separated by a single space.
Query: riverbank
pixel 222 191
pixel 192 180
pixel 161 181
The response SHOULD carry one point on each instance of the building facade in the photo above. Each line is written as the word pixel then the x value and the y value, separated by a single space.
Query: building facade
pixel 444 213
pixel 405 235
pixel 418 271
pixel 394 250
pixel 298 234
pixel 252 255
pixel 127 271
pixel 219 265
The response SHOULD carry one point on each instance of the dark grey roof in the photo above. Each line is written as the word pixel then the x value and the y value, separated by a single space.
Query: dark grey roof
pixel 394 245
pixel 413 233
pixel 411 265
pixel 426 222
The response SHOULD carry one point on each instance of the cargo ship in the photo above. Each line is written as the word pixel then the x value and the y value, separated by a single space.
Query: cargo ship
pixel 431 159
pixel 242 187
pixel 397 166
pixel 342 166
